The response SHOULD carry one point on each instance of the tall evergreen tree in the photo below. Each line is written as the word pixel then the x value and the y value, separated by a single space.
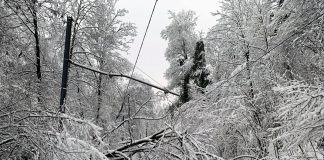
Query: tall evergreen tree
pixel 199 73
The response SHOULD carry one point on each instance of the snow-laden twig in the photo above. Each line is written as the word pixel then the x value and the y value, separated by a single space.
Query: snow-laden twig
pixel 244 156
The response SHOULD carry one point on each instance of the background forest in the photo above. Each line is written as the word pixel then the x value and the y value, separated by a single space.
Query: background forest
pixel 250 88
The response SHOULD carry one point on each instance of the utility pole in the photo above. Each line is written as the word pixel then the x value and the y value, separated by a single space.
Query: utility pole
pixel 66 63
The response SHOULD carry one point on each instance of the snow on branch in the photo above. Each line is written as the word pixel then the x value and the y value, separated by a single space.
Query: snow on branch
pixel 155 137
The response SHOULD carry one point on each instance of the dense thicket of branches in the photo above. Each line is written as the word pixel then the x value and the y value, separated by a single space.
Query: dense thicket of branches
pixel 31 45
pixel 252 88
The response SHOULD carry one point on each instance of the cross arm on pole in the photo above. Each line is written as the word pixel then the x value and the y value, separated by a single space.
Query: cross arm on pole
pixel 125 76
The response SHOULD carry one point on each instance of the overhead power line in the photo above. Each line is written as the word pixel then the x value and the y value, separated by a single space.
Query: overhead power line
pixel 146 74
pixel 147 27
pixel 149 77
pixel 138 54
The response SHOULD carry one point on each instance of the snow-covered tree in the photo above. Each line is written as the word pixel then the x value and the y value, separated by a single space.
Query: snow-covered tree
pixel 100 38
pixel 181 37
pixel 31 130
pixel 263 97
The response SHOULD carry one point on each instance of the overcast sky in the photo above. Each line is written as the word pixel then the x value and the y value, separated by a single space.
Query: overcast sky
pixel 152 60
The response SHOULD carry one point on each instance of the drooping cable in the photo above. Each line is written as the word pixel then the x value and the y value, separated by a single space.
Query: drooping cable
pixel 150 77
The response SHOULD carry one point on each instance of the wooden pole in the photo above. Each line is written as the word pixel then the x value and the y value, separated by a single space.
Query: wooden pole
pixel 65 72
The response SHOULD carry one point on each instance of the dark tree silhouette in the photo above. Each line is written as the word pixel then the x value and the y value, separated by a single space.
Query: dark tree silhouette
pixel 199 73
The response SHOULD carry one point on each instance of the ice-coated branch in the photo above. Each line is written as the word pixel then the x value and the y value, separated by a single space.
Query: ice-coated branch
pixel 155 137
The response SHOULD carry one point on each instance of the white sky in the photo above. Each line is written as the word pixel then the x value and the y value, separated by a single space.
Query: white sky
pixel 152 60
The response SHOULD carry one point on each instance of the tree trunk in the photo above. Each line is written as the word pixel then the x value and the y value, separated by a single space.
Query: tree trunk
pixel 99 94
pixel 184 97
pixel 185 89
pixel 36 36
pixel 256 113
pixel 37 50
pixel 247 55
